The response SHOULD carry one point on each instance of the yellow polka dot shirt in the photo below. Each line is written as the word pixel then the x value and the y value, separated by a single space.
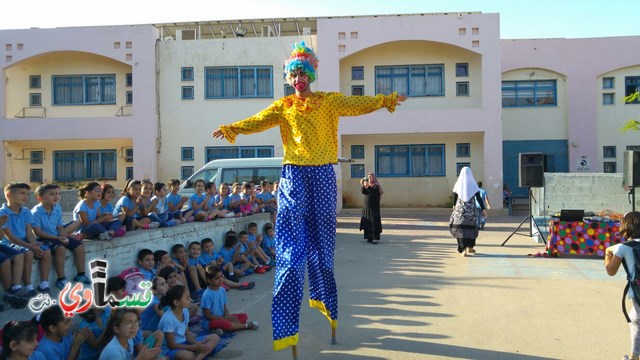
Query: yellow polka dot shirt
pixel 309 127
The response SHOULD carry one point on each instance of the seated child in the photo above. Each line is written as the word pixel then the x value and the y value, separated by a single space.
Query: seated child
pixel 19 341
pixel 191 272
pixel 223 200
pixel 232 252
pixel 19 239
pixel 269 240
pixel 213 209
pixel 151 315
pixel 180 342
pixel 211 257
pixel 95 319
pixel 48 228
pixel 165 216
pixel 198 202
pixel 235 201
pixel 11 268
pixel 176 202
pixel 267 201
pixel 256 240
pixel 59 342
pixel 108 194
pixel 146 263
pixel 94 224
pixel 162 259
pixel 147 205
pixel 252 252
pixel 129 205
pixel 249 197
pixel 197 262
pixel 119 339
pixel 214 306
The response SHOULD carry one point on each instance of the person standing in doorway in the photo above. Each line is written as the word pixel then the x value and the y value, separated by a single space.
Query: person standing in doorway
pixel 370 221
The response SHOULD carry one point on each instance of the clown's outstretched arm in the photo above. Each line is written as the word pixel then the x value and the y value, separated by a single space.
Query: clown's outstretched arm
pixel 264 120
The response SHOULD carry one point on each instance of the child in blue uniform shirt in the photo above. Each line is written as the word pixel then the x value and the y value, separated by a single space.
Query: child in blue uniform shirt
pixel 59 342
pixel 145 264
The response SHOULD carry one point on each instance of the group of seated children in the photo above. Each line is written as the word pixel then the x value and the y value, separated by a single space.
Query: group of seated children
pixel 207 204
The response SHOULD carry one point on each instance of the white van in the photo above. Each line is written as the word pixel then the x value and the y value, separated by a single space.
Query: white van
pixel 235 170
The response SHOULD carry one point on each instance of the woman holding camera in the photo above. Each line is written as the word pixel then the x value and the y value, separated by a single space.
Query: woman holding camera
pixel 370 221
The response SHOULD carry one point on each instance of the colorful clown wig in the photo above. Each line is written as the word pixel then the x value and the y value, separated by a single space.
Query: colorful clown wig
pixel 302 58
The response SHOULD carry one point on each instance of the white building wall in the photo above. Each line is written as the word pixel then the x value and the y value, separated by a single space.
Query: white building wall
pixel 130 45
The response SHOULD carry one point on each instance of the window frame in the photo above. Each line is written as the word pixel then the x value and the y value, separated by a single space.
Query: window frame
pixel 359 88
pixel 35 82
pixel 36 175
pixel 608 82
pixel 357 151
pixel 462 69
pixel 128 80
pixel 184 92
pixel 357 73
pixel 184 73
pixel 609 167
pixel 520 86
pixel 464 84
pixel 186 171
pixel 404 156
pixel 460 165
pixel 129 97
pixel 222 77
pixel 128 173
pixel 357 171
pixel 128 154
pixel 407 78
pixel 608 99
pixel 71 158
pixel 236 152
pixel 107 89
pixel 460 150
pixel 32 97
pixel 184 153
pixel 627 86
pixel 33 159
pixel 609 151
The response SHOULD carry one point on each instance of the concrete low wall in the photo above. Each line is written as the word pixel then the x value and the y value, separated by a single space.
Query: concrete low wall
pixel 122 252
pixel 589 191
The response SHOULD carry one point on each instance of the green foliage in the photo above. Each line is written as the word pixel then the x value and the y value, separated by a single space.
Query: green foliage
pixel 631 124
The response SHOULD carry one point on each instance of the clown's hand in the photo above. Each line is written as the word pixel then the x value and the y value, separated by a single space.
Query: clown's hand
pixel 400 99
pixel 218 134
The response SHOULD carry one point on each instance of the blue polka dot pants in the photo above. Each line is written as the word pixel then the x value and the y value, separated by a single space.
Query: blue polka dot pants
pixel 305 235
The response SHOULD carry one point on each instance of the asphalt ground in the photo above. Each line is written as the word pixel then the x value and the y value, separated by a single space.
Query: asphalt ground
pixel 413 297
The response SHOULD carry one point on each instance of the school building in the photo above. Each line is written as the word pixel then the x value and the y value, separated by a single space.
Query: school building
pixel 119 102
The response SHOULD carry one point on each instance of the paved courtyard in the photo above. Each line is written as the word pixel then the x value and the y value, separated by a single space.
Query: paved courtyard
pixel 413 297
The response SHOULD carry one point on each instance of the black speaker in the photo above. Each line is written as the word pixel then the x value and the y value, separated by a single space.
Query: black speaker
pixel 631 175
pixel 531 166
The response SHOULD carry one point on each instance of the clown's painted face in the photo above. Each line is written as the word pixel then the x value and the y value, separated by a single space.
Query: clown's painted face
pixel 299 80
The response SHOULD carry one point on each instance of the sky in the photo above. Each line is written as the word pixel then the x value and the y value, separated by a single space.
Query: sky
pixel 519 19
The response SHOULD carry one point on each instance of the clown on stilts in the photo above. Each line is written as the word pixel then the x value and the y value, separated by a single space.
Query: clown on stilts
pixel 306 221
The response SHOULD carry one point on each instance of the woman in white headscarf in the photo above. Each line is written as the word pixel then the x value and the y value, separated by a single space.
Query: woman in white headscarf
pixel 463 222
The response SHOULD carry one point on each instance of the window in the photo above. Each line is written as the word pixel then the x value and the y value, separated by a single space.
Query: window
pixel 237 152
pixel 84 165
pixel 35 175
pixel 631 86
pixel 128 155
pixel 609 167
pixel 34 82
pixel 608 83
pixel 460 165
pixel 462 88
pixel 633 147
pixel 410 160
pixel 529 93
pixel 357 171
pixel 238 82
pixel 129 173
pixel 185 172
pixel 35 99
pixel 462 69
pixel 357 151
pixel 609 151
pixel 289 90
pixel 128 80
pixel 36 157
pixel 186 74
pixel 129 97
pixel 410 80
pixel 187 93
pixel 187 154
pixel 463 150
pixel 357 73
pixel 357 90
pixel 84 90
pixel 608 99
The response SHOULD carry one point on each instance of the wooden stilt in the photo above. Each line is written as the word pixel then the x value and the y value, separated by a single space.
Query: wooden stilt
pixel 333 336
pixel 294 352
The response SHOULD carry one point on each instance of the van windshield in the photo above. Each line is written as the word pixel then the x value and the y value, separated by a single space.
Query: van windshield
pixel 205 174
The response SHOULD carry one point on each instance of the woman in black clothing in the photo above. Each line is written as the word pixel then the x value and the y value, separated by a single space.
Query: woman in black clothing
pixel 370 221
pixel 463 223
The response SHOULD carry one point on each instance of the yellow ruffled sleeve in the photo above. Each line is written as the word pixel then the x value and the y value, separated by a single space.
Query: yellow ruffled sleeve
pixel 264 120
pixel 358 105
